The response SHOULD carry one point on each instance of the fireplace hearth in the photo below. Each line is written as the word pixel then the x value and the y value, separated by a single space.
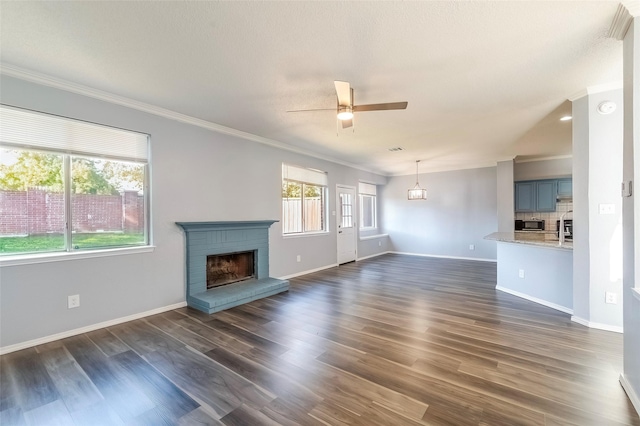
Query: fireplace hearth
pixel 227 264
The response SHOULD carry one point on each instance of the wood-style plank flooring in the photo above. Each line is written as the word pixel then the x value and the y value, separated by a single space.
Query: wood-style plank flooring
pixel 394 340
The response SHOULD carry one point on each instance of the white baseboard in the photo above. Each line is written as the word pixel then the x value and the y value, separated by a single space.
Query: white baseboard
pixel 631 393
pixel 536 300
pixel 309 271
pixel 597 325
pixel 444 257
pixel 372 255
pixel 93 327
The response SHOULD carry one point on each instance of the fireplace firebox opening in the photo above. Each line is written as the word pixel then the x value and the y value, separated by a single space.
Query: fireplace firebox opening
pixel 228 268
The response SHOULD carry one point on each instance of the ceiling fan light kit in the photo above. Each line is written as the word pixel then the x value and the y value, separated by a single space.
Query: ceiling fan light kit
pixel 346 108
pixel 345 113
pixel 417 193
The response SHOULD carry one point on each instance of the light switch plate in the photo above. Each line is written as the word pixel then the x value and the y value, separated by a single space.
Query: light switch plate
pixel 607 208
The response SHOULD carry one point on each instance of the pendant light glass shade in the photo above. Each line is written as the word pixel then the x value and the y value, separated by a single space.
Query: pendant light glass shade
pixel 417 193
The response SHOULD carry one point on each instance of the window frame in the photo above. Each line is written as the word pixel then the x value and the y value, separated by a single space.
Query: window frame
pixel 68 251
pixel 368 190
pixel 324 197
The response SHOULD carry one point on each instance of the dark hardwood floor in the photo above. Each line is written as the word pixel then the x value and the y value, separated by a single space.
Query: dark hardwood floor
pixel 394 340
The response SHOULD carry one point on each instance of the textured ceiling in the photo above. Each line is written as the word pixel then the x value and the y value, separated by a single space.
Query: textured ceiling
pixel 485 81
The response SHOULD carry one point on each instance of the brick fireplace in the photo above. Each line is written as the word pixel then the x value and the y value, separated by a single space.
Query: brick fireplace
pixel 218 245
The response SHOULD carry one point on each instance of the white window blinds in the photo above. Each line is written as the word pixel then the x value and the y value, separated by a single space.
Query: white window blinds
pixel 366 188
pixel 28 129
pixel 299 174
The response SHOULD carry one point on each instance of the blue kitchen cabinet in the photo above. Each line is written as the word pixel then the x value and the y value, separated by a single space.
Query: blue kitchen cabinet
pixel 565 188
pixel 536 195
pixel 525 196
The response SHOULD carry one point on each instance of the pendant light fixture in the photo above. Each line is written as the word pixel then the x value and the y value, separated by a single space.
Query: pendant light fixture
pixel 417 193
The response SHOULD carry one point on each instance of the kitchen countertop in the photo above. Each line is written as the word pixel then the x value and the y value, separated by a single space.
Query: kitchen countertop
pixel 513 237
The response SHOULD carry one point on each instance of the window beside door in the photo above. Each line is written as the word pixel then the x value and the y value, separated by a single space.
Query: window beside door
pixel 368 211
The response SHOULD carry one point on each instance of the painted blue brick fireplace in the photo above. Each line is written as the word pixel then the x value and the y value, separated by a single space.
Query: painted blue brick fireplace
pixel 214 238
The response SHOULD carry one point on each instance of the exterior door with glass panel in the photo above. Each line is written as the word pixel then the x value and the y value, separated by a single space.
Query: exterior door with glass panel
pixel 346 218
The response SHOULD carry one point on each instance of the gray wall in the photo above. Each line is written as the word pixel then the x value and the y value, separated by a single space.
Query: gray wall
pixel 631 168
pixel 197 175
pixel 548 273
pixel 460 210
pixel 505 196
pixel 597 175
pixel 543 169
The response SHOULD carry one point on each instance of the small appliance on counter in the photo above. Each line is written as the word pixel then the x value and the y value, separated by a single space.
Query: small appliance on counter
pixel 529 225
pixel 568 229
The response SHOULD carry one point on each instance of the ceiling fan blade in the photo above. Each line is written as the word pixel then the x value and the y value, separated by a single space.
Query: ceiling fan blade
pixel 380 107
pixel 343 90
pixel 347 123
pixel 316 109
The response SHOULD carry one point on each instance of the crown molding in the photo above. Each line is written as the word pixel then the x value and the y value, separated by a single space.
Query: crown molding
pixel 552 157
pixel 57 83
pixel 442 169
pixel 592 90
pixel 627 10
pixel 620 24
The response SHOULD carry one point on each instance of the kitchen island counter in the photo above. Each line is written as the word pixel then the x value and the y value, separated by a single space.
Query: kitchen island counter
pixel 539 271
pixel 518 238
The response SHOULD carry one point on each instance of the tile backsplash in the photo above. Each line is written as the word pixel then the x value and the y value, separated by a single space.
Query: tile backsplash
pixel 549 217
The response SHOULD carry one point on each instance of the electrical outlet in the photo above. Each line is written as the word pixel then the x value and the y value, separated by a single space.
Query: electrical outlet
pixel 472 247
pixel 611 298
pixel 73 301
pixel 298 258
pixel 521 273
pixel 379 243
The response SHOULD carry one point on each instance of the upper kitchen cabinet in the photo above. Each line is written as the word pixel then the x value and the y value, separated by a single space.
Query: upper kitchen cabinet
pixel 536 196
pixel 565 188
pixel 547 192
pixel 525 196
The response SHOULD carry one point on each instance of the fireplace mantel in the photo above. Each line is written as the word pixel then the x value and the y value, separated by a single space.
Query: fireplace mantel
pixel 209 226
pixel 213 238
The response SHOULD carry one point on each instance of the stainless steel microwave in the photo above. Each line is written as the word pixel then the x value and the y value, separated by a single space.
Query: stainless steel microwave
pixel 529 225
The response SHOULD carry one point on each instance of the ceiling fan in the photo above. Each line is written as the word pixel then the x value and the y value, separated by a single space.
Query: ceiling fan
pixel 346 108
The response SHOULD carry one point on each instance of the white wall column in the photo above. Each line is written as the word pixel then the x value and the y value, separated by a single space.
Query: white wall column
pixel 630 377
pixel 597 217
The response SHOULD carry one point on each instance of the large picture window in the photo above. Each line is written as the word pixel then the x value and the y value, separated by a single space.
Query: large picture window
pixel 304 195
pixel 368 216
pixel 68 185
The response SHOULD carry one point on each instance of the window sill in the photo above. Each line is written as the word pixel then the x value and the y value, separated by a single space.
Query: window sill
pixel 306 234
pixel 636 292
pixel 368 229
pixel 373 237
pixel 28 259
